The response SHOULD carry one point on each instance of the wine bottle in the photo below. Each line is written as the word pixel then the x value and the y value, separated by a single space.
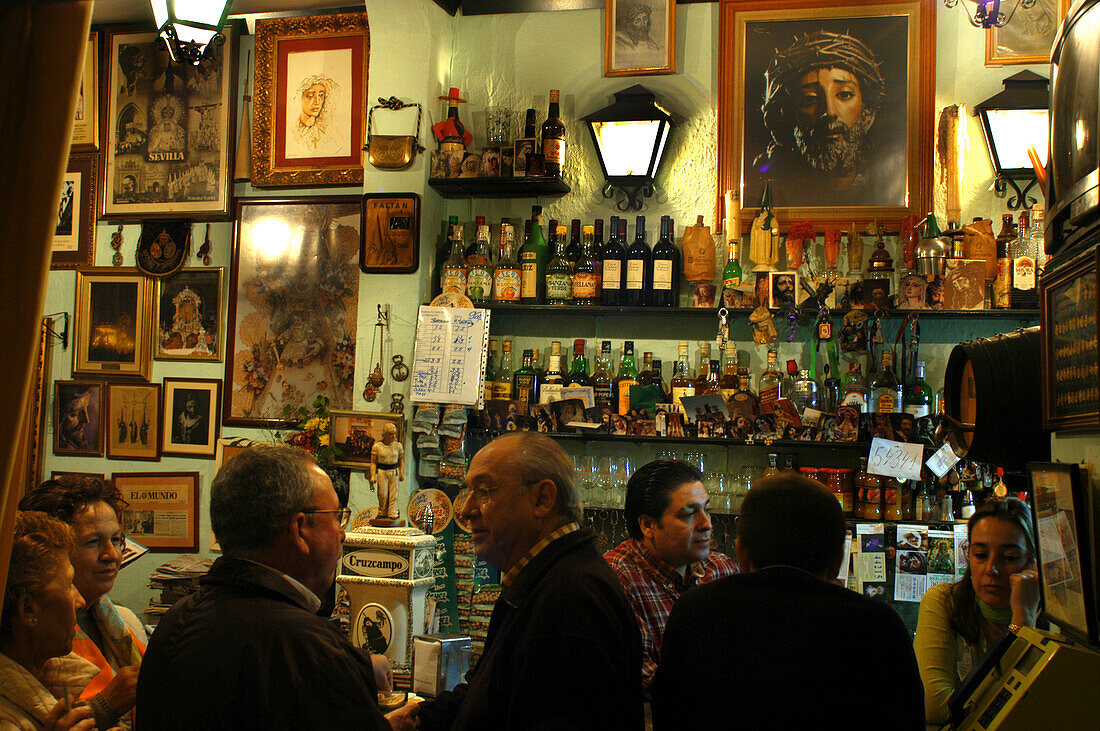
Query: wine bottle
pixel 533 257
pixel 667 264
pixel 639 268
pixel 612 258
pixel 578 369
pixel 553 139
pixel 731 275
pixel 573 251
pixel 586 274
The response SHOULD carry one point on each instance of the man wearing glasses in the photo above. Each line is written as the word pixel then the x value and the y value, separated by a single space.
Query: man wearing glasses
pixel 248 649
pixel 563 649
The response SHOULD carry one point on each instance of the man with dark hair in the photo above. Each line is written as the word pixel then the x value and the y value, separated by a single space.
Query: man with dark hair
pixel 777 647
pixel 821 97
pixel 249 650
pixel 562 650
pixel 668 551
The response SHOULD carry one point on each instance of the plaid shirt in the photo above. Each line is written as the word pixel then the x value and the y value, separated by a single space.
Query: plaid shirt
pixel 653 586
pixel 513 572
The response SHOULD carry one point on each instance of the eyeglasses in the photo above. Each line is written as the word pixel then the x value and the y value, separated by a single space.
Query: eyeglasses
pixel 343 515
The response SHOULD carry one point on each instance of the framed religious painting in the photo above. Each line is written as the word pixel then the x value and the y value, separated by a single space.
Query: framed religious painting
pixel 828 106
pixel 391 233
pixel 78 418
pixel 639 38
pixel 189 315
pixel 162 511
pixel 293 303
pixel 1028 36
pixel 113 324
pixel 133 421
pixel 310 100
pixel 167 141
pixel 85 136
pixel 73 242
pixel 191 412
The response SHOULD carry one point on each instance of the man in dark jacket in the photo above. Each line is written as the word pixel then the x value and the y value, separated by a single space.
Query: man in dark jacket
pixel 782 646
pixel 248 649
pixel 563 649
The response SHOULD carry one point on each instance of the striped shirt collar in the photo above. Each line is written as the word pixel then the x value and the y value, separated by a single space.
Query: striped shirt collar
pixel 510 576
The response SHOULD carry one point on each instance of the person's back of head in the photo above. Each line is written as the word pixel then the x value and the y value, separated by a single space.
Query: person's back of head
pixel 791 520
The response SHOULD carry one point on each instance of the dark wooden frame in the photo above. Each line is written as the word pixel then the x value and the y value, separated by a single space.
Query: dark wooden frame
pixel 154 420
pixel 920 125
pixel 97 451
pixel 163 544
pixel 84 214
pixel 1084 266
pixel 367 237
pixel 214 385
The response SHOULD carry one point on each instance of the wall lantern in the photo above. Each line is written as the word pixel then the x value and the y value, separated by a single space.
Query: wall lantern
pixel 990 13
pixel 630 137
pixel 1013 120
pixel 188 26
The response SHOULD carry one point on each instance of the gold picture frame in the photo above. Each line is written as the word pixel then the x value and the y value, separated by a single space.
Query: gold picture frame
pixel 132 421
pixel 112 333
pixel 313 68
pixel 1024 38
pixel 639 38
pixel 85 136
pixel 195 296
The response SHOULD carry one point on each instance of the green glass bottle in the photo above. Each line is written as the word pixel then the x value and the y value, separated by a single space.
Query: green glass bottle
pixel 628 376
pixel 525 382
pixel 533 257
pixel 479 279
pixel 559 275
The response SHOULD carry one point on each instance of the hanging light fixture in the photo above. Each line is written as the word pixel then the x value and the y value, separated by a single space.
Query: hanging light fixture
pixel 990 13
pixel 630 137
pixel 1013 120
pixel 189 26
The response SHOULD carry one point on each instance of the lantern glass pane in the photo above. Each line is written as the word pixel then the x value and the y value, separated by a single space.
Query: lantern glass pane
pixel 160 12
pixel 204 12
pixel 190 34
pixel 1013 130
pixel 627 147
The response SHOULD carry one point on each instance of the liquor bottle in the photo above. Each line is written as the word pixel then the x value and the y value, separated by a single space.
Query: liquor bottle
pixel 554 380
pixel 728 383
pixel 533 256
pixel 682 383
pixel 573 251
pixel 918 398
pixel 536 362
pixel 525 145
pixel 1002 286
pixel 442 253
pixel 786 383
pixel 773 465
pixel 471 250
pixel 639 268
pixel 856 392
pixel 553 139
pixel 452 276
pixel 731 275
pixel 525 382
pixel 479 280
pixel 587 272
pixel 807 392
pixel 450 132
pixel 507 276
pixel 769 384
pixel 667 264
pixel 601 376
pixel 652 376
pixel 1024 255
pixel 612 259
pixel 743 401
pixel 578 369
pixel 704 368
pixel 559 278
pixel 490 369
pixel 628 376
pixel 886 390
pixel 505 227
pixel 502 386
pixel 647 367
pixel 831 388
pixel 711 384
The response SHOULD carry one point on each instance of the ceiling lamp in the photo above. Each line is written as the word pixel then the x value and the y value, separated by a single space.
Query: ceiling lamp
pixel 630 137
pixel 990 13
pixel 1013 120
pixel 189 26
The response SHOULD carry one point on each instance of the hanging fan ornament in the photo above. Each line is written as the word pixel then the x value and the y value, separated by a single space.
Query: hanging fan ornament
pixel 376 378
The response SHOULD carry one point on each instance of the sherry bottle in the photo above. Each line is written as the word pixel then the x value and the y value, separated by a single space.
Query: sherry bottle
pixel 507 275
pixel 578 369
pixel 573 251
pixel 587 273
pixel 601 376
pixel 553 139
pixel 559 277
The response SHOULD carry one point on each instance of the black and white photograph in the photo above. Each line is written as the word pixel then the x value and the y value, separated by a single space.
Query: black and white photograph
pixel 190 417
pixel 639 37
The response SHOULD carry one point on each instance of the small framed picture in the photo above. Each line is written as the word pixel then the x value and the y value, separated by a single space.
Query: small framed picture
pixel 190 417
pixel 229 447
pixel 782 289
pixel 85 137
pixel 964 285
pixel 54 474
pixel 163 511
pixel 74 235
pixel 390 240
pixel 133 421
pixel 189 315
pixel 523 148
pixel 639 38
pixel 112 333
pixel 355 432
pixel 490 163
pixel 78 418
pixel 507 155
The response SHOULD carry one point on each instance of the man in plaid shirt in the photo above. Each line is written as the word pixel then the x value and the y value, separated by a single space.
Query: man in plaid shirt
pixel 668 551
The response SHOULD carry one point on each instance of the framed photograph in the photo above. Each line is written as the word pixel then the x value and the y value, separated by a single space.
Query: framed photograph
pixel 189 315
pixel 85 137
pixel 229 447
pixel 112 334
pixel 964 285
pixel 54 474
pixel 190 409
pixel 639 37
pixel 355 432
pixel 1028 37
pixel 168 129
pixel 73 241
pixel 1069 309
pixel 293 304
pixel 782 290
pixel 78 418
pixel 163 511
pixel 391 233
pixel 133 421
pixel 825 103
pixel 309 123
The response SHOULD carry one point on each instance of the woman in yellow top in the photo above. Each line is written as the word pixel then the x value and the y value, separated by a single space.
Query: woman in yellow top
pixel 959 622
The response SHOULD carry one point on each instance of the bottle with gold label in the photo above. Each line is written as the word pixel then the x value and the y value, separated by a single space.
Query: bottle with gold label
pixel 453 272
pixel 769 384
pixel 559 276
pixel 682 383
pixel 602 378
pixel 507 274
pixel 886 389
pixel 586 273
pixel 628 376
pixel 553 138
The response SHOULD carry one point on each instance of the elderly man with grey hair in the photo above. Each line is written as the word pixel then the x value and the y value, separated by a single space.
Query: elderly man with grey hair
pixel 563 649
pixel 248 650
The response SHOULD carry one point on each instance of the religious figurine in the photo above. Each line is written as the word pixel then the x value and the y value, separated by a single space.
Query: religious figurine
pixel 763 326
pixel 387 471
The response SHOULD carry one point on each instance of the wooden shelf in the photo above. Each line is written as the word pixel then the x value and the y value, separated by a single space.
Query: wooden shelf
pixel 498 187
pixel 774 444
pixel 710 312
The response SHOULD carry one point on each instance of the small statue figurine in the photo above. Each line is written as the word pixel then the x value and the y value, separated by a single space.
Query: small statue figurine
pixel 387 471
pixel 763 326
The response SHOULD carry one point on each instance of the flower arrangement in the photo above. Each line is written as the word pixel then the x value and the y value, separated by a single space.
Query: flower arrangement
pixel 309 431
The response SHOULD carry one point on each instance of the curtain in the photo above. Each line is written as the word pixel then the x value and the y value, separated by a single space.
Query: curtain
pixel 41 57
